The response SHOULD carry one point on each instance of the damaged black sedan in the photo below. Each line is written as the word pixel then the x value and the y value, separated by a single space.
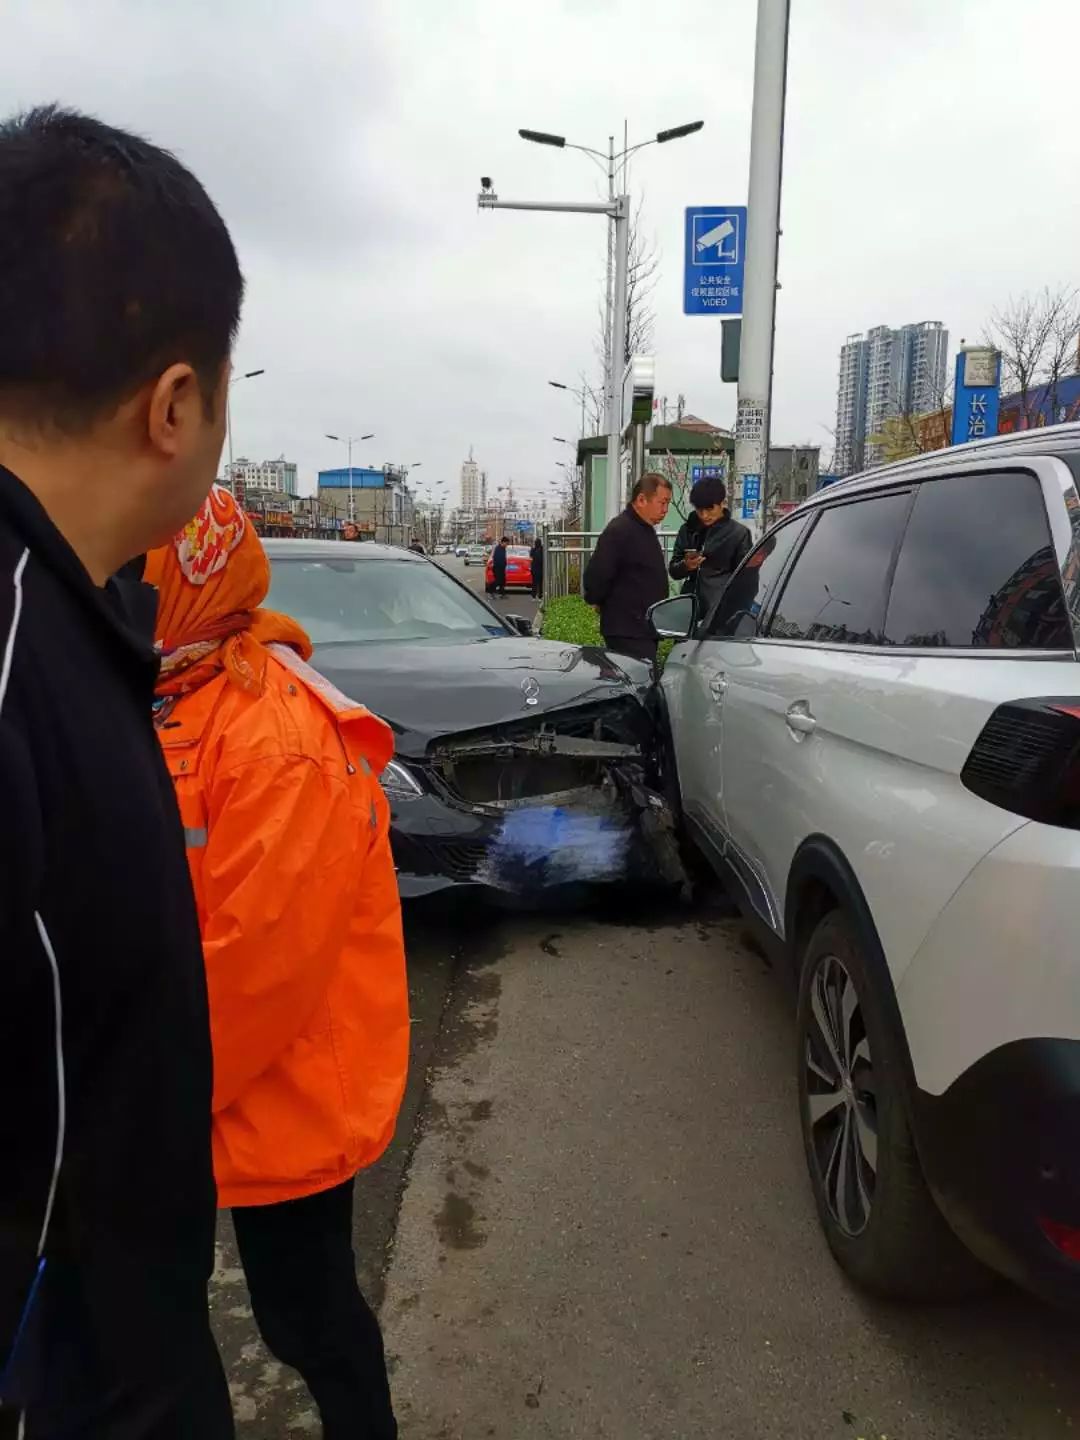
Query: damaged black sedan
pixel 521 765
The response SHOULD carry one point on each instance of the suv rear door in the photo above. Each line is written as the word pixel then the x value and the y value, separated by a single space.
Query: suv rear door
pixel 907 617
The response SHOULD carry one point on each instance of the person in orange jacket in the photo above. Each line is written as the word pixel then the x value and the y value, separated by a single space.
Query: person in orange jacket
pixel 287 832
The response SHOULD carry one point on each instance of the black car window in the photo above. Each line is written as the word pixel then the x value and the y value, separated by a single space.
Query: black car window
pixel 977 568
pixel 835 593
pixel 736 617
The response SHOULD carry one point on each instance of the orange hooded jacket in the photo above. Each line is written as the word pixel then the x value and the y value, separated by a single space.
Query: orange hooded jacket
pixel 288 842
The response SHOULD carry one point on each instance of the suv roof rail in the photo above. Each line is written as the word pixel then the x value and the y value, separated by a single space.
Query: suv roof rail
pixel 1046 438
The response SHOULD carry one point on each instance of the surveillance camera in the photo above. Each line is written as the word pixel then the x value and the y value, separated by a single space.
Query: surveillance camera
pixel 485 182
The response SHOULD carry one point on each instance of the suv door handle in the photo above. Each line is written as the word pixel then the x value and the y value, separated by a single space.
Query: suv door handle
pixel 799 720
pixel 718 684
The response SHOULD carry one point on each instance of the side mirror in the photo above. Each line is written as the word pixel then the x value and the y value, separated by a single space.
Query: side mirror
pixel 674 619
pixel 520 623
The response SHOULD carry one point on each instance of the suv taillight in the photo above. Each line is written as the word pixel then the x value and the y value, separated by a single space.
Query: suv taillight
pixel 1027 760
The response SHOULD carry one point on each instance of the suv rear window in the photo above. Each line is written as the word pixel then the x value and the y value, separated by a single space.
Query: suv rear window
pixel 836 592
pixel 977 568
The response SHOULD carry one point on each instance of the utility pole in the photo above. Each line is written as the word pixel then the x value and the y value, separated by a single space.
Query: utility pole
pixel 752 423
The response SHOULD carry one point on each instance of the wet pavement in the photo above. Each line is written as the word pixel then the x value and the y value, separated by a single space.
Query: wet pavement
pixel 595 1219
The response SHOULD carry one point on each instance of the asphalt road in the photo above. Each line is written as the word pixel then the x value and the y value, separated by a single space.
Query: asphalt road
pixel 517 602
pixel 595 1221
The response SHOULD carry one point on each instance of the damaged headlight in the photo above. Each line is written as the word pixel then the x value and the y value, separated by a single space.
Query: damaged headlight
pixel 399 782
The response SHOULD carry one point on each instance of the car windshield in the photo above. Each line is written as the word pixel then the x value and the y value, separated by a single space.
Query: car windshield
pixel 521 551
pixel 352 601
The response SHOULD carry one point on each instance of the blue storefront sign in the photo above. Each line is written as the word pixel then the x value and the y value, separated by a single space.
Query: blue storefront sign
pixel 977 395
pixel 751 496
pixel 715 257
pixel 706 472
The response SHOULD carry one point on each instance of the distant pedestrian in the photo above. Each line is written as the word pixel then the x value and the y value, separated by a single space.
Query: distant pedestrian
pixel 120 296
pixel 498 565
pixel 709 547
pixel 536 556
pixel 627 574
pixel 288 842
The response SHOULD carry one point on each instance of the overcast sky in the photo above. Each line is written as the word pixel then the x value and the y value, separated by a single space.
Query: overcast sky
pixel 930 173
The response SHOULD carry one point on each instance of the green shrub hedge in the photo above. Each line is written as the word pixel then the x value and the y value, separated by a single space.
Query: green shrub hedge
pixel 573 622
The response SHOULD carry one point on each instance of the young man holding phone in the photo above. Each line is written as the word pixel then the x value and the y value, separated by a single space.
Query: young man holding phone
pixel 709 547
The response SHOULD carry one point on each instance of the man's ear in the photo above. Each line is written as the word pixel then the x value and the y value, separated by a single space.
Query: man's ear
pixel 176 407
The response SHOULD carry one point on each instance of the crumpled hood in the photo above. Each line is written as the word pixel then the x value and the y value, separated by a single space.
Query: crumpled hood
pixel 424 691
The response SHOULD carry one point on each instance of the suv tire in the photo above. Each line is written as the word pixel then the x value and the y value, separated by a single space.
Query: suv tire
pixel 878 1215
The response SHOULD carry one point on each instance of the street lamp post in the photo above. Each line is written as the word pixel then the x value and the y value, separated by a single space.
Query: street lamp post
pixel 619 211
pixel 615 290
pixel 247 375
pixel 350 441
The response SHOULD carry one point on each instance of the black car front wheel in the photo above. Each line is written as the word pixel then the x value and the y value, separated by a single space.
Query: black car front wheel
pixel 878 1215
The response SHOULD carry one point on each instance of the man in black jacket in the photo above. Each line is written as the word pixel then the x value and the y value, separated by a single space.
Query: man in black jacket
pixel 498 566
pixel 119 300
pixel 626 573
pixel 709 547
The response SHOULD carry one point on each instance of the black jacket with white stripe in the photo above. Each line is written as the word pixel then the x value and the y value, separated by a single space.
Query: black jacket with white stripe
pixel 102 986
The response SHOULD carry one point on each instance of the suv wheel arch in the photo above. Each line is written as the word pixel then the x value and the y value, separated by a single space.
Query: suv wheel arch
pixel 821 880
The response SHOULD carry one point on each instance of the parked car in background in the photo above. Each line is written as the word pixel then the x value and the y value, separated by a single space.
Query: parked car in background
pixel 876 740
pixel 521 765
pixel 476 555
pixel 518 569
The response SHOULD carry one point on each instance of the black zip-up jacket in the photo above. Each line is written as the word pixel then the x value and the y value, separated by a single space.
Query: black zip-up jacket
pixel 101 968
pixel 723 545
pixel 625 576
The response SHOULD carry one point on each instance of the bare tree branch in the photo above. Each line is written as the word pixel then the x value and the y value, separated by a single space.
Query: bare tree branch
pixel 1036 335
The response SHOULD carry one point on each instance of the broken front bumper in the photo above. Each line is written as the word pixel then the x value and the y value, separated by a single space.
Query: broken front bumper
pixel 534 812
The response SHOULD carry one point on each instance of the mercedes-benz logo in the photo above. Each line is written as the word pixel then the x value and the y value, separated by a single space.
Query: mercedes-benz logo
pixel 530 688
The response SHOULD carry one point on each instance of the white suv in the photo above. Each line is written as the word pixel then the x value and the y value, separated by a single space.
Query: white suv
pixel 875 738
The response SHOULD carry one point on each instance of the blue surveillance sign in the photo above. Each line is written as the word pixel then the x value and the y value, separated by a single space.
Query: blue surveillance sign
pixel 715 257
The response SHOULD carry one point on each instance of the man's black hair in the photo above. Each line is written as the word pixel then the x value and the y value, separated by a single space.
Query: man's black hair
pixel 708 492
pixel 114 264
pixel 649 484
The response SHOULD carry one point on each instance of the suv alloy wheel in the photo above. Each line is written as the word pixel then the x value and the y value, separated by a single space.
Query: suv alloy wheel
pixel 879 1218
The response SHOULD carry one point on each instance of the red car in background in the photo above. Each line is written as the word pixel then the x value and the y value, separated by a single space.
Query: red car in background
pixel 518 569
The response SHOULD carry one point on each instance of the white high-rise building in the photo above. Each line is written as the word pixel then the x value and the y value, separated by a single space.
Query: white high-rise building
pixel 278 475
pixel 889 372
pixel 471 497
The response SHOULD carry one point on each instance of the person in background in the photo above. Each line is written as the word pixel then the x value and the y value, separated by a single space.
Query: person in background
pixel 709 547
pixel 536 556
pixel 626 573
pixel 287 834
pixel 350 531
pixel 120 296
pixel 498 565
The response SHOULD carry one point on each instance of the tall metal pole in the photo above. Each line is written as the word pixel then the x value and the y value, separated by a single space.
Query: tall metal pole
pixel 752 422
pixel 609 360
pixel 352 497
pixel 617 347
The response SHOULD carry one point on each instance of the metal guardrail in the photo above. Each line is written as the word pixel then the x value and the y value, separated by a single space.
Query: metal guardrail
pixel 567 552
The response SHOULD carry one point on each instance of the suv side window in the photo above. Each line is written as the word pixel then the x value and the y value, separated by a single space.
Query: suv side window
pixel 977 568
pixel 836 591
pixel 736 617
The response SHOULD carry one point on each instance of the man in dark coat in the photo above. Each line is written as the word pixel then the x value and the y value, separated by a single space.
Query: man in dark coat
pixel 627 575
pixel 119 300
pixel 498 566
pixel 710 546
pixel 536 555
